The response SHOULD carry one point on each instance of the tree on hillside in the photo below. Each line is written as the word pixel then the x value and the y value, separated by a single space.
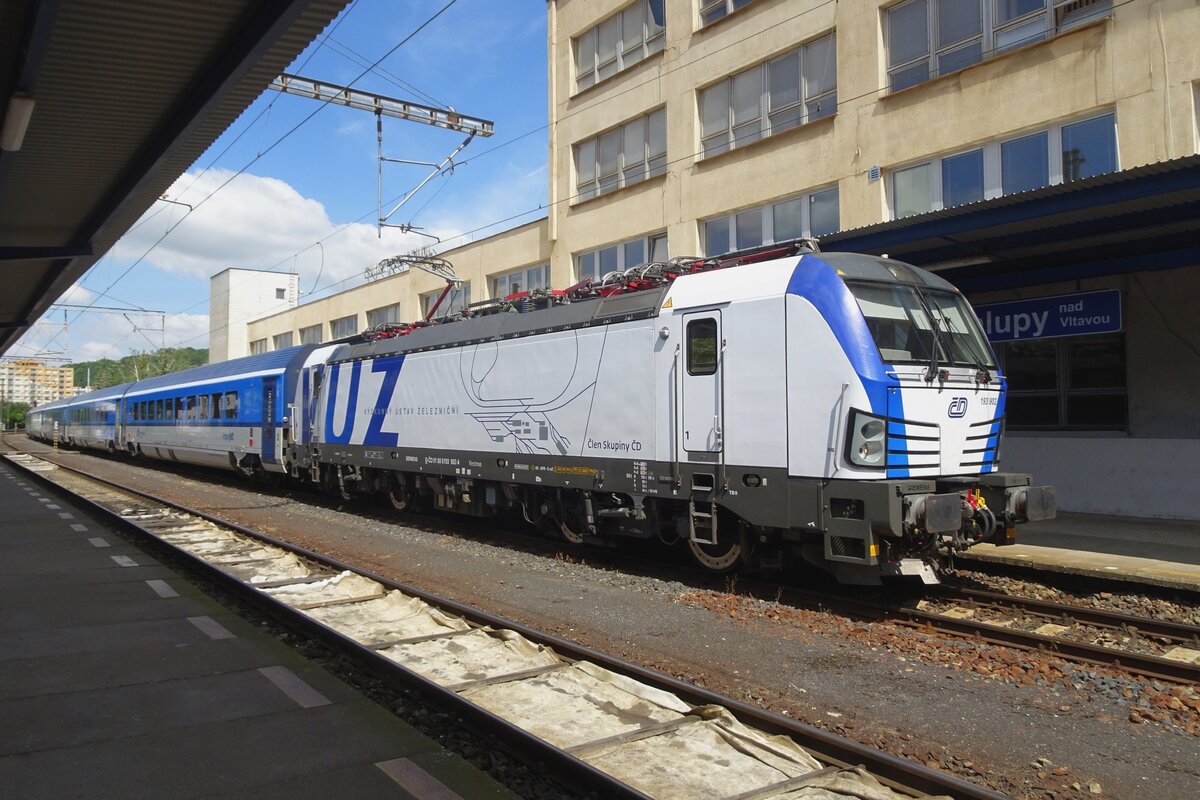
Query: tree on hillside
pixel 140 365
pixel 12 415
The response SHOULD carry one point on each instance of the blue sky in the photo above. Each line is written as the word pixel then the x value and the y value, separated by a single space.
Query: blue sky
pixel 482 57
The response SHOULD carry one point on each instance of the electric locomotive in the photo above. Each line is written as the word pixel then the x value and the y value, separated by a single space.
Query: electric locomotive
pixel 844 407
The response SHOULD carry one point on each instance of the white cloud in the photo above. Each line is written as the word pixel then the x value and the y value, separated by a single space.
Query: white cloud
pixel 254 222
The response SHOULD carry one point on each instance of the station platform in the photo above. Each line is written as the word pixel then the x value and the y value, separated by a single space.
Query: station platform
pixel 1158 552
pixel 119 678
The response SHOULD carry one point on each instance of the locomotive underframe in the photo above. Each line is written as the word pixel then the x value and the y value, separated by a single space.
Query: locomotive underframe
pixel 864 529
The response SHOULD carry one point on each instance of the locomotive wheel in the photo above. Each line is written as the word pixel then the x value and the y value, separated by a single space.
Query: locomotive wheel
pixel 568 534
pixel 397 494
pixel 720 558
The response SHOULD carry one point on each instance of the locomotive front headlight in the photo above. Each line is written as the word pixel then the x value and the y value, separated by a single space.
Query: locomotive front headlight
pixel 873 429
pixel 866 440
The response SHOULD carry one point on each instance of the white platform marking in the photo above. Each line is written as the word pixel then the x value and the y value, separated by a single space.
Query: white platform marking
pixel 97 541
pixel 124 561
pixel 211 628
pixel 76 526
pixel 162 588
pixel 290 684
pixel 416 781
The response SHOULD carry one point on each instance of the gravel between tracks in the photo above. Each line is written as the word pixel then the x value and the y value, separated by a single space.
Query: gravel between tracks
pixel 1053 736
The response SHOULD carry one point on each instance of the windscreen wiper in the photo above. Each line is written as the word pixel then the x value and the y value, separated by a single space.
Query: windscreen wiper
pixel 983 374
pixel 931 371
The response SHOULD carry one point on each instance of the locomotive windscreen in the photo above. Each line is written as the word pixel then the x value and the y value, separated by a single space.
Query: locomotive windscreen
pixel 911 324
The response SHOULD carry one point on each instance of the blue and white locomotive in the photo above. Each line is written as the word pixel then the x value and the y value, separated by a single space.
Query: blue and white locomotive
pixel 842 407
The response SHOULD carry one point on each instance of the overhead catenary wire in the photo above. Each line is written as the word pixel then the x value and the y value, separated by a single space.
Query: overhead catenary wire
pixel 264 152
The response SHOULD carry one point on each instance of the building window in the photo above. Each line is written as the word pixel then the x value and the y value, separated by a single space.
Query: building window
pixel 623 156
pixel 280 294
pixel 388 315
pixel 258 346
pixel 343 326
pixel 928 38
pixel 595 264
pixel 455 301
pixel 1074 383
pixel 713 10
pixel 281 341
pixel 813 214
pixel 1063 153
pixel 619 42
pixel 310 335
pixel 795 88
pixel 521 280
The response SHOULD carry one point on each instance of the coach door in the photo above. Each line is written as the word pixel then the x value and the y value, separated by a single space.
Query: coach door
pixel 702 385
pixel 269 422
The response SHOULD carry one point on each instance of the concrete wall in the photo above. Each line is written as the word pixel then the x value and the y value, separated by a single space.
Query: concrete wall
pixel 237 296
pixel 1111 475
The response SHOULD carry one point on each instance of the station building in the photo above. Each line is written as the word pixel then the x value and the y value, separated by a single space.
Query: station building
pixel 1040 154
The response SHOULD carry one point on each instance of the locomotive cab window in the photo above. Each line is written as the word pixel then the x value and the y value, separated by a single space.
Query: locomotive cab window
pixel 912 325
pixel 702 347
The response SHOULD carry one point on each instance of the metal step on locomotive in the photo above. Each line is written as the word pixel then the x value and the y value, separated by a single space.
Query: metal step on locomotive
pixel 762 405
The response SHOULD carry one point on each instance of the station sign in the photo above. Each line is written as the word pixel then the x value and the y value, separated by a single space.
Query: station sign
pixel 1077 314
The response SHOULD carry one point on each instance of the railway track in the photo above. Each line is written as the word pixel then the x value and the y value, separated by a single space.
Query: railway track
pixel 606 726
pixel 1152 648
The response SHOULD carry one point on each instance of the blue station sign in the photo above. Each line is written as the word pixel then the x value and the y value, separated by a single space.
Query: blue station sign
pixel 1049 317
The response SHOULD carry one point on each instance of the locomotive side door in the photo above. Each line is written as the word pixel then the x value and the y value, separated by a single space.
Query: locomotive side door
pixel 702 393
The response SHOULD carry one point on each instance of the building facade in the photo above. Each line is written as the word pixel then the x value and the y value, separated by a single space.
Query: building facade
pixel 35 382
pixel 237 296
pixel 695 127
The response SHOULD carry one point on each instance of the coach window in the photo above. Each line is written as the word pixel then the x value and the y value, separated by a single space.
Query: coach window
pixel 178 408
pixel 702 347
pixel 231 405
pixel 215 406
pixel 1073 383
pixel 190 408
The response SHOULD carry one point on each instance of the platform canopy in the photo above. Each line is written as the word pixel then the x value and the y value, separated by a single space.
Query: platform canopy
pixel 104 104
pixel 1145 218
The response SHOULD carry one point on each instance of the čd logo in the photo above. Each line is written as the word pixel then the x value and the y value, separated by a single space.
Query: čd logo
pixel 958 408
